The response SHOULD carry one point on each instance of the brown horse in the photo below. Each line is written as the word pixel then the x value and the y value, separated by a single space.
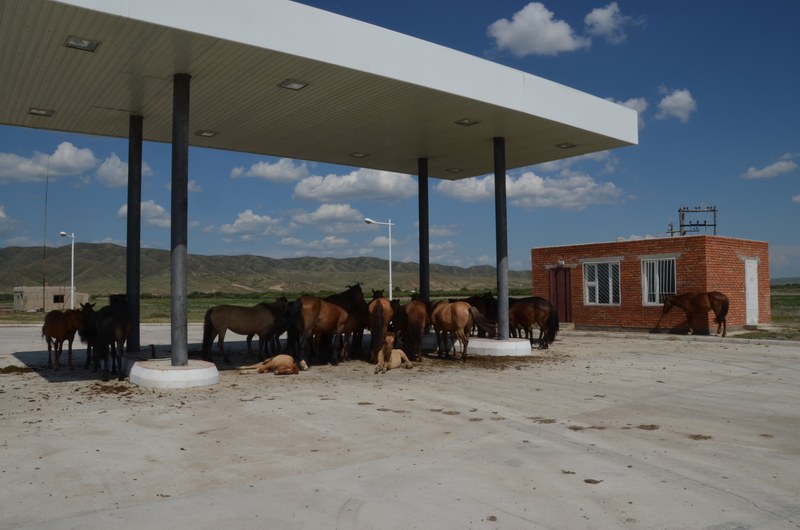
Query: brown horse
pixel 109 328
pixel 380 315
pixel 417 319
pixel 390 358
pixel 58 327
pixel 523 313
pixel 697 304
pixel 249 321
pixel 458 318
pixel 272 338
pixel 279 365
pixel 336 316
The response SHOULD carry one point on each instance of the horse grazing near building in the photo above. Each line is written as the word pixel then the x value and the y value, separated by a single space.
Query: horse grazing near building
pixel 695 304
pixel 60 326
pixel 390 357
pixel 458 318
pixel 523 313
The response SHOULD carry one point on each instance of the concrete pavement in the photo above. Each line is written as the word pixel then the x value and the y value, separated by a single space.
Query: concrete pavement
pixel 603 430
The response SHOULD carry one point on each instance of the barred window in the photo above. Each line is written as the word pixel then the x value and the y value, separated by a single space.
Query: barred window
pixel 601 283
pixel 658 280
pixel 58 298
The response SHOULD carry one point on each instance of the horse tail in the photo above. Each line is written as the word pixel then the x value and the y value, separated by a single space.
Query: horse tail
pixel 376 328
pixel 723 311
pixel 552 325
pixel 208 334
pixel 481 321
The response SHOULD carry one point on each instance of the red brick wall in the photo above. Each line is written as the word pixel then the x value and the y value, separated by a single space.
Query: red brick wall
pixel 703 263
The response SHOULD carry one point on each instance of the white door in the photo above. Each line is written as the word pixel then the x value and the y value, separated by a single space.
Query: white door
pixel 751 290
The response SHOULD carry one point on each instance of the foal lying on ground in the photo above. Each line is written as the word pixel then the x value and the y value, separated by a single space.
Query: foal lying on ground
pixel 390 358
pixel 279 365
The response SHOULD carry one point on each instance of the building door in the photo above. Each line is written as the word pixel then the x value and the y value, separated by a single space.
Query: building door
pixel 561 292
pixel 751 290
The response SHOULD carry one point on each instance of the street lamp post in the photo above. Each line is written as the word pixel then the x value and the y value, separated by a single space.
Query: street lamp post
pixel 389 224
pixel 71 270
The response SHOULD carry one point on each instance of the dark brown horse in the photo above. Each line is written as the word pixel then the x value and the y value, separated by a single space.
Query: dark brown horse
pixel 380 315
pixel 523 313
pixel 336 316
pixel 60 326
pixel 255 320
pixel 695 304
pixel 109 328
pixel 417 319
pixel 458 318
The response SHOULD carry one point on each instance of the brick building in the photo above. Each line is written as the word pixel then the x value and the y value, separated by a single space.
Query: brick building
pixel 622 284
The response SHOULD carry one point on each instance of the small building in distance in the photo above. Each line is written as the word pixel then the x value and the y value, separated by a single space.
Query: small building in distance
pixel 33 299
pixel 623 284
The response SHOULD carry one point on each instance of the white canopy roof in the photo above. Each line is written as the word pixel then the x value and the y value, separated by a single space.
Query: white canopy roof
pixel 374 98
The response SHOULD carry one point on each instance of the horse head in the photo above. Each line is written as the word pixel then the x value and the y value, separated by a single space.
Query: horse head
pixel 377 293
pixel 355 293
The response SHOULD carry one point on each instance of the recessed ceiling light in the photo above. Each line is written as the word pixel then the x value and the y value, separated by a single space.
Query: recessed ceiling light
pixel 566 145
pixel 466 122
pixel 454 169
pixel 41 112
pixel 206 133
pixel 293 84
pixel 359 154
pixel 79 43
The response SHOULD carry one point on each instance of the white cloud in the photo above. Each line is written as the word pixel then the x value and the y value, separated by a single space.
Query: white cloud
pixel 676 104
pixel 534 31
pixel 325 243
pixel 66 160
pixel 608 22
pixel 366 184
pixel 784 165
pixel 284 170
pixel 113 172
pixel 152 214
pixel 442 230
pixel 329 213
pixel 796 199
pixel 473 189
pixel 249 224
pixel 571 191
pixel 638 104
pixel 7 224
pixel 194 187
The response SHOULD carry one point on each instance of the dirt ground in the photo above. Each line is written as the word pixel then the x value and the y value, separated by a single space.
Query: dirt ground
pixel 601 431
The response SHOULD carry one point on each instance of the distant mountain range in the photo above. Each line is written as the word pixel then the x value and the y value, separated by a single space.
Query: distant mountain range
pixel 100 269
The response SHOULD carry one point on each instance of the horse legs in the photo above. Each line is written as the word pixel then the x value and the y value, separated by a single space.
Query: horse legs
pixel 69 352
pixel 50 352
pixel 463 338
pixel 221 344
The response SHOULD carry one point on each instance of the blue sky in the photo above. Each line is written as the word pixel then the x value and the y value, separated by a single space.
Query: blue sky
pixel 715 84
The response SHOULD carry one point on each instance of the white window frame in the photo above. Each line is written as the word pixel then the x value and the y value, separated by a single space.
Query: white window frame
pixel 653 270
pixel 595 285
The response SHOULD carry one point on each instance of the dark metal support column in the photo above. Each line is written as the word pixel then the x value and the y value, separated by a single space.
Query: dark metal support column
pixel 424 239
pixel 501 236
pixel 134 245
pixel 179 256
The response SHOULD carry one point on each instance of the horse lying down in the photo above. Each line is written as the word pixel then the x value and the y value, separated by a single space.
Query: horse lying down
pixel 390 358
pixel 279 365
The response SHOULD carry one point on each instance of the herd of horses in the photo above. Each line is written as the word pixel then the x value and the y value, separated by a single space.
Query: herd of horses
pixel 331 329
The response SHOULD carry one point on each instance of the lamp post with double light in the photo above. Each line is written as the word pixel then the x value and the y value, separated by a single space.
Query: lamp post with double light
pixel 71 270
pixel 389 224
